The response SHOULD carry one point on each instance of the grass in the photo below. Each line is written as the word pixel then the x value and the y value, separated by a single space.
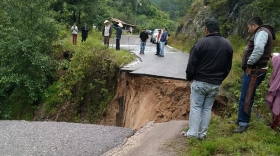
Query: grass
pixel 257 140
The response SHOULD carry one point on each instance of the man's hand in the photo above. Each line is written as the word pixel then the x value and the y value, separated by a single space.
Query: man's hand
pixel 248 71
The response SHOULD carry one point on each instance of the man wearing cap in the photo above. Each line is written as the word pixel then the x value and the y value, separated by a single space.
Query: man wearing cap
pixel 107 32
pixel 118 28
pixel 143 38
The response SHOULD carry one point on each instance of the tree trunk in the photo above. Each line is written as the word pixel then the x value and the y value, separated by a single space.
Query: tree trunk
pixel 79 17
pixel 74 16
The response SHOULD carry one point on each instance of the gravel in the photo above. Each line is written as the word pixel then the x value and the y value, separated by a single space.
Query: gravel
pixel 22 138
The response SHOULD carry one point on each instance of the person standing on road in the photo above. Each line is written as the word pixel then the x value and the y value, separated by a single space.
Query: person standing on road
pixel 158 42
pixel 254 65
pixel 107 32
pixel 84 32
pixel 143 38
pixel 209 64
pixel 163 39
pixel 74 30
pixel 118 28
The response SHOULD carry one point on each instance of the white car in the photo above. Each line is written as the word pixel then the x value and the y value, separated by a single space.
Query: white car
pixel 154 35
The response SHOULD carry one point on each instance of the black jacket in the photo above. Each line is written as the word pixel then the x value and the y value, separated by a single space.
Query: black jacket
pixel 144 36
pixel 210 59
pixel 84 32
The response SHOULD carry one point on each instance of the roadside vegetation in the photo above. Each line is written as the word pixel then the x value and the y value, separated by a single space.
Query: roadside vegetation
pixel 43 73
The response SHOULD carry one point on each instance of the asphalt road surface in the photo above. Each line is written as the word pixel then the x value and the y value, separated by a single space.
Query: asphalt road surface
pixel 22 138
pixel 172 65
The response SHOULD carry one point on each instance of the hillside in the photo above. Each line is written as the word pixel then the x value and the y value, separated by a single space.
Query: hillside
pixel 232 14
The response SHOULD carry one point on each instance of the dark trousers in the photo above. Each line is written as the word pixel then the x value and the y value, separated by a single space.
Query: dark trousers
pixel 158 48
pixel 117 44
pixel 106 40
pixel 243 118
pixel 84 39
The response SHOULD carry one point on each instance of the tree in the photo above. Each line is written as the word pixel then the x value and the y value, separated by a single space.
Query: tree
pixel 27 33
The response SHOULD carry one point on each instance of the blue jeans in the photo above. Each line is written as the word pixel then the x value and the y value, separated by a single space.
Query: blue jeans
pixel 244 119
pixel 161 52
pixel 202 98
pixel 142 47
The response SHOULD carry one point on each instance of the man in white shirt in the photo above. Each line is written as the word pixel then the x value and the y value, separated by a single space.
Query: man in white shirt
pixel 107 32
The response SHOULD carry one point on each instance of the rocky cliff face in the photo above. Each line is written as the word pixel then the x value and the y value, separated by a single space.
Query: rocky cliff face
pixel 232 14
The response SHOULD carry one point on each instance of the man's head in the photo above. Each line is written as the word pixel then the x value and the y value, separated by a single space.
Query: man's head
pixel 159 31
pixel 144 29
pixel 212 26
pixel 253 24
pixel 164 29
pixel 85 24
pixel 106 22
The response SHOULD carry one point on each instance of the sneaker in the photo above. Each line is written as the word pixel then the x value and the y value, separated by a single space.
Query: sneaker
pixel 202 138
pixel 184 133
pixel 240 129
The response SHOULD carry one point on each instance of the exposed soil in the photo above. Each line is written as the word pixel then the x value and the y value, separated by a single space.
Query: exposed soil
pixel 140 99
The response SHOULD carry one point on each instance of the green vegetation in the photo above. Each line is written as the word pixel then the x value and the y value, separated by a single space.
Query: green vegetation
pixel 26 68
pixel 176 9
pixel 36 76
pixel 138 12
pixel 258 140
pixel 89 82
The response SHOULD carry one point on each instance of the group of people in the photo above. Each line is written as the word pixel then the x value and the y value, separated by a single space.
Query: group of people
pixel 210 62
pixel 74 31
pixel 161 40
pixel 106 33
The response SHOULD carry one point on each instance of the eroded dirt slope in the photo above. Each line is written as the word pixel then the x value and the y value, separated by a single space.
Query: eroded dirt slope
pixel 140 99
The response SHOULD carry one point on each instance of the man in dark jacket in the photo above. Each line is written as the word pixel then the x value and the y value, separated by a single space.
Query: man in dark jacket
pixel 209 64
pixel 254 64
pixel 143 39
pixel 84 32
pixel 118 29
